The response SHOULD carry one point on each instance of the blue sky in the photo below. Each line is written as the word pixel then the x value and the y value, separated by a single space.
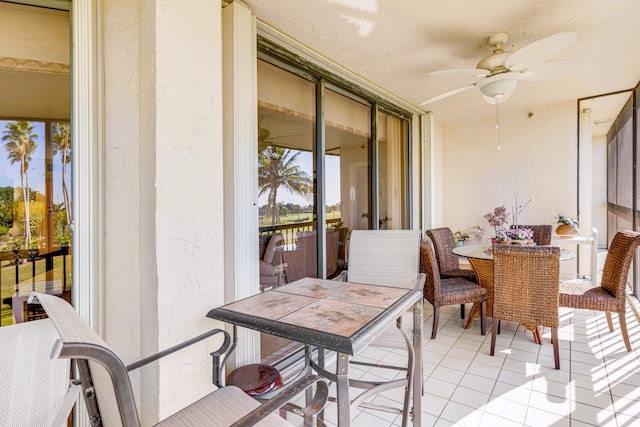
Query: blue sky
pixel 10 174
pixel 305 160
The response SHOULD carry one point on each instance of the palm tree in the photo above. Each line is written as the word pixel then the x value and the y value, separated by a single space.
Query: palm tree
pixel 277 168
pixel 20 142
pixel 62 145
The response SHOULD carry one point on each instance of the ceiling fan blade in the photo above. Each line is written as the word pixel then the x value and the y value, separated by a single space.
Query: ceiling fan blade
pixel 461 72
pixel 558 70
pixel 448 94
pixel 539 51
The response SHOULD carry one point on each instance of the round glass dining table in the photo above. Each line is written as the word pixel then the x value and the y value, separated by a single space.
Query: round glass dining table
pixel 481 259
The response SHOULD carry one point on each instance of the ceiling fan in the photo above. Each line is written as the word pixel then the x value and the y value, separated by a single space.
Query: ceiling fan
pixel 498 74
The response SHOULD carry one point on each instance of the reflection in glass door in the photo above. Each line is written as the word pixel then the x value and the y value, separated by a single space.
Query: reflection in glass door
pixel 35 165
pixel 323 164
pixel 392 161
pixel 286 129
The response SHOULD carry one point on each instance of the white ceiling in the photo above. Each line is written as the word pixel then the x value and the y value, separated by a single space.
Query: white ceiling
pixel 395 44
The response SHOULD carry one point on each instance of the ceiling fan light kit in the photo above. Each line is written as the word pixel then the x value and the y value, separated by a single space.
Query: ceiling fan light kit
pixel 498 74
pixel 498 88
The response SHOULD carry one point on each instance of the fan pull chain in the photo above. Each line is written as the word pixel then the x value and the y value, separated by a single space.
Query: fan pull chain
pixel 498 121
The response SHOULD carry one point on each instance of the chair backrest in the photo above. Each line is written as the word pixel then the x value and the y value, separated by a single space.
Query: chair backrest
pixel 277 239
pixel 306 241
pixel 384 257
pixel 97 363
pixel 616 265
pixel 526 284
pixel 33 386
pixel 429 266
pixel 443 244
pixel 541 233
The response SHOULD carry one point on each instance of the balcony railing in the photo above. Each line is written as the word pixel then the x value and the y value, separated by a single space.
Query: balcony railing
pixel 25 270
pixel 289 230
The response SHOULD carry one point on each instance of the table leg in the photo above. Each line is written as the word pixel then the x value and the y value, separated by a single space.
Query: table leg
pixel 342 387
pixel 418 387
pixel 308 421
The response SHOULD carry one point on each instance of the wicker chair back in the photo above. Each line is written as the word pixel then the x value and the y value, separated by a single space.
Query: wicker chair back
pixel 616 265
pixel 526 282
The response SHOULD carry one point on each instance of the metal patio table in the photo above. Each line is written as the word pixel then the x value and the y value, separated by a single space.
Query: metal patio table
pixel 338 316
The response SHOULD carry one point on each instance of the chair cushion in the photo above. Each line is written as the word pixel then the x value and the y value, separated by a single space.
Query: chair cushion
pixel 460 291
pixel 221 408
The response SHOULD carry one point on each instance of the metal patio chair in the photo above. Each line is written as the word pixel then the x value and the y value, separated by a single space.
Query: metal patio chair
pixel 107 389
pixel 387 258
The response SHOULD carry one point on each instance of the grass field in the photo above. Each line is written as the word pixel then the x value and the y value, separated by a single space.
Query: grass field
pixel 25 275
pixel 294 218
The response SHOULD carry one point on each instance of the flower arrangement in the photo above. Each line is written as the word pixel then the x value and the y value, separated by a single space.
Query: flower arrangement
pixel 465 235
pixel 567 226
pixel 567 220
pixel 498 217
pixel 514 234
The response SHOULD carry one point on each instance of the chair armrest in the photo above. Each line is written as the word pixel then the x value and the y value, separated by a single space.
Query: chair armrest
pixel 215 354
pixel 280 398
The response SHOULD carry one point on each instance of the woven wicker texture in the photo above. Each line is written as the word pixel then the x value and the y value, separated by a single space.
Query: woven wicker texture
pixel 484 272
pixel 610 295
pixel 448 262
pixel 526 282
pixel 442 292
pixel 541 233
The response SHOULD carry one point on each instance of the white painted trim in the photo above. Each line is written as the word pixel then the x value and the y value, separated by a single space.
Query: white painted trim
pixel 87 160
pixel 426 192
pixel 585 190
pixel 240 101
pixel 265 30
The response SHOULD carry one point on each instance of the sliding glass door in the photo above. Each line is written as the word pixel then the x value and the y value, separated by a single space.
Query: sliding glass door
pixel 330 161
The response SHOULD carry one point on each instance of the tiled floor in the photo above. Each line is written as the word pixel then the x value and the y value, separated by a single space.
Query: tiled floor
pixel 598 383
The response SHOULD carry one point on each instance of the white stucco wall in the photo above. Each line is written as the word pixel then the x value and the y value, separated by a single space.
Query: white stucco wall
pixel 537 161
pixel 163 162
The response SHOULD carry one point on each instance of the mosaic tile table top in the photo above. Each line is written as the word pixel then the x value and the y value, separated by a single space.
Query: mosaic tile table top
pixel 339 316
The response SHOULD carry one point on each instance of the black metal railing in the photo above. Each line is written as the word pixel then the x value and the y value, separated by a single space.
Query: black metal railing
pixel 26 270
pixel 289 230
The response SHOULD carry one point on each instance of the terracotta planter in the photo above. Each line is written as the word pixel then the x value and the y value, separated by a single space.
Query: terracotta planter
pixel 567 230
pixel 516 242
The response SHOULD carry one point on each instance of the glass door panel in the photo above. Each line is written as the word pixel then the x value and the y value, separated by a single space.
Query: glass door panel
pixel 348 166
pixel 286 137
pixel 32 257
pixel 392 192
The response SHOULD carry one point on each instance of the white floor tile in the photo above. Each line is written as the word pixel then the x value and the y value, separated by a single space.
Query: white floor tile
pixel 598 383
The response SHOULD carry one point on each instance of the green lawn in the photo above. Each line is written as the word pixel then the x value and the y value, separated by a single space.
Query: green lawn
pixel 25 272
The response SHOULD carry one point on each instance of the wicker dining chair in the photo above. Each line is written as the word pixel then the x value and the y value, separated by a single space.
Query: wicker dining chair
pixel 443 292
pixel 526 283
pixel 448 262
pixel 541 233
pixel 610 295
